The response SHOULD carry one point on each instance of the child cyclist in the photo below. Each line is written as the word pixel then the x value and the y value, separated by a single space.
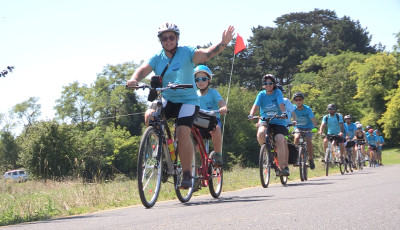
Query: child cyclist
pixel 210 99
pixel 270 102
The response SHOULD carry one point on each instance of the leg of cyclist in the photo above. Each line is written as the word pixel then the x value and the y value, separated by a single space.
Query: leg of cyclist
pixel 326 141
pixel 185 114
pixel 342 148
pixel 281 147
pixel 217 142
pixel 261 134
pixel 310 150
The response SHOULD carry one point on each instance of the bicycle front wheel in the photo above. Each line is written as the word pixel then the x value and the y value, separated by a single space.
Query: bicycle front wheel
pixel 149 167
pixel 265 165
pixel 184 195
pixel 328 155
pixel 215 179
pixel 303 163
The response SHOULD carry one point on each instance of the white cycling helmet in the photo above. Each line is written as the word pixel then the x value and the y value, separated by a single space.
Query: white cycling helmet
pixel 359 126
pixel 168 26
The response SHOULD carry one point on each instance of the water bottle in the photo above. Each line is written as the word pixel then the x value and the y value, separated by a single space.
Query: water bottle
pixel 171 149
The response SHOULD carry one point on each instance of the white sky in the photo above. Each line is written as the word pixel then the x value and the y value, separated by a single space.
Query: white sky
pixel 53 43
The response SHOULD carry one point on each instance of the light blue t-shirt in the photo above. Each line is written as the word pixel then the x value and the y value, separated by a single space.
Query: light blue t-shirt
pixel 304 117
pixel 350 130
pixel 372 139
pixel 180 71
pixel 269 105
pixel 333 124
pixel 210 100
pixel 289 108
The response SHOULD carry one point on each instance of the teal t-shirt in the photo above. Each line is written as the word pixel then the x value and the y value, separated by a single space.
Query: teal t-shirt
pixel 333 124
pixel 180 71
pixel 210 100
pixel 350 130
pixel 269 105
pixel 304 117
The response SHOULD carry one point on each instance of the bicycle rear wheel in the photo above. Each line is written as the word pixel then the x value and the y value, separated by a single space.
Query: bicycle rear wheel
pixel 184 195
pixel 265 165
pixel 149 167
pixel 303 163
pixel 215 179
pixel 328 155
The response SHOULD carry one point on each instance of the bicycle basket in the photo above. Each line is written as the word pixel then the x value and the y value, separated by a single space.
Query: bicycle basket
pixel 205 121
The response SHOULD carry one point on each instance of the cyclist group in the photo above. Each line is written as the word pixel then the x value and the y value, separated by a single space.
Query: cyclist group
pixel 177 64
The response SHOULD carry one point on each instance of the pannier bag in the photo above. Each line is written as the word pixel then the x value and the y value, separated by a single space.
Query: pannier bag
pixel 205 121
pixel 293 153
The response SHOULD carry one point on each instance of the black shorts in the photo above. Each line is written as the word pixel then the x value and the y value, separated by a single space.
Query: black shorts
pixel 279 129
pixel 184 113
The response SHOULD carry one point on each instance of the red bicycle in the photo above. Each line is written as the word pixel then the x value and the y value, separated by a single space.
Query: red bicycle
pixel 208 174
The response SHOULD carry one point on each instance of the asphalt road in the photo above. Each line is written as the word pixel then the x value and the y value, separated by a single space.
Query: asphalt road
pixel 369 199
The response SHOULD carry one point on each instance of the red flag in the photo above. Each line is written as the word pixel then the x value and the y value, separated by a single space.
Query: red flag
pixel 239 46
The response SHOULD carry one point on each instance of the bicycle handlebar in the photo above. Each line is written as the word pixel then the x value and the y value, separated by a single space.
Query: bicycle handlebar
pixel 172 86
pixel 266 119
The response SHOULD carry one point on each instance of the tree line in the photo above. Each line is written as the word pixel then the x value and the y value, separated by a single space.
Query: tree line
pixel 97 129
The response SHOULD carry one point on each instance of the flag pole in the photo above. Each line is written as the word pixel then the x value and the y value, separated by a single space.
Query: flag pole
pixel 227 98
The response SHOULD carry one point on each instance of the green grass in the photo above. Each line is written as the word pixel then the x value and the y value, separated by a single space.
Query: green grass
pixel 38 200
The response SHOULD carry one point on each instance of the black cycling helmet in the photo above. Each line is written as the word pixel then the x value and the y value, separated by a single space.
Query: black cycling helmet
pixel 347 117
pixel 281 88
pixel 269 76
pixel 298 94
pixel 331 107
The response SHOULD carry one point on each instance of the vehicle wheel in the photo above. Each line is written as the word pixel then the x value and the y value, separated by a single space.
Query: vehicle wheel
pixel 302 164
pixel 149 167
pixel 265 165
pixel 328 155
pixel 184 195
pixel 215 179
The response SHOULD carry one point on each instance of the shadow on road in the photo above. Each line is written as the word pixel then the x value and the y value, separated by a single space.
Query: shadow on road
pixel 243 199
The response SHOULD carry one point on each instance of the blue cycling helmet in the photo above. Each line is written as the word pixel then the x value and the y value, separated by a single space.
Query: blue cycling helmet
pixel 203 68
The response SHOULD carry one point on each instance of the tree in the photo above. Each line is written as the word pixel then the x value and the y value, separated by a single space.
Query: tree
pixel 8 151
pixel 390 120
pixel 298 36
pixel 49 149
pixel 74 104
pixel 326 80
pixel 28 111
pixel 111 102
pixel 375 77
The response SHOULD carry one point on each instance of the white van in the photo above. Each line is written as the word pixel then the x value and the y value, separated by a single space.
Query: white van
pixel 18 175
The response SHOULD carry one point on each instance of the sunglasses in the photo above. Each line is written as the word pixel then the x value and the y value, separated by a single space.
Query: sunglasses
pixel 331 109
pixel 200 79
pixel 298 99
pixel 170 37
pixel 268 83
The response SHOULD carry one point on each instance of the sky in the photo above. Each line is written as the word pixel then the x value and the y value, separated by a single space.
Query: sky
pixel 51 43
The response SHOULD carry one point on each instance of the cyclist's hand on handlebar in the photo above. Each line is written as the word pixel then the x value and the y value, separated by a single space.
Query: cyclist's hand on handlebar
pixel 131 83
pixel 250 117
pixel 284 116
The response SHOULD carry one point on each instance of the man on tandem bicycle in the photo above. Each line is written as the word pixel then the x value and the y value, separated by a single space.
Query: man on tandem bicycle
pixel 175 64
